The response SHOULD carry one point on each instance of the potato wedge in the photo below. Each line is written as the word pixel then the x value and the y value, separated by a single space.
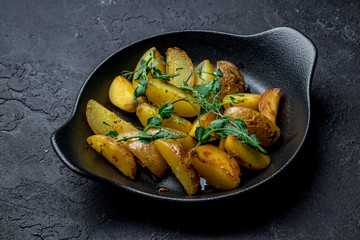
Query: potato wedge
pixel 269 103
pixel 187 141
pixel 180 63
pixel 248 100
pixel 121 94
pixel 232 80
pixel 205 121
pixel 178 160
pixel 215 165
pixel 115 153
pixel 203 76
pixel 245 155
pixel 145 111
pixel 161 66
pixel 146 153
pixel 266 131
pixel 222 144
pixel 102 121
pixel 159 93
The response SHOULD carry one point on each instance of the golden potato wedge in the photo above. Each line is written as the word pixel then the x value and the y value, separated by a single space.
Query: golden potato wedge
pixel 187 141
pixel 102 121
pixel 121 94
pixel 203 76
pixel 232 80
pixel 216 166
pixel 248 100
pixel 269 103
pixel 180 63
pixel 115 153
pixel 159 93
pixel 145 111
pixel 245 155
pixel 146 153
pixel 177 158
pixel 222 144
pixel 205 121
pixel 266 131
pixel 161 66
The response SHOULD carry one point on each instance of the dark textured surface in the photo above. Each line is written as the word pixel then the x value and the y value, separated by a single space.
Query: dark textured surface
pixel 47 50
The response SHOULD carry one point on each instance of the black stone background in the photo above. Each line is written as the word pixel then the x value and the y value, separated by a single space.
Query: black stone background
pixel 48 49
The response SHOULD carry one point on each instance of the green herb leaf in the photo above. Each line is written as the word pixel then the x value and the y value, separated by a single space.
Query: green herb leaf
pixel 145 140
pixel 139 91
pixel 154 121
pixel 219 73
pixel 106 123
pixel 112 134
pixel 199 132
pixel 166 110
pixel 203 91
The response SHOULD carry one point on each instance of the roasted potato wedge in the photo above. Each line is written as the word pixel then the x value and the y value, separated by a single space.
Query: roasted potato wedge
pixel 121 94
pixel 115 153
pixel 266 130
pixel 145 111
pixel 180 63
pixel 245 155
pixel 205 121
pixel 269 103
pixel 248 100
pixel 222 144
pixel 215 165
pixel 159 93
pixel 161 66
pixel 203 76
pixel 232 80
pixel 187 141
pixel 178 160
pixel 102 121
pixel 146 153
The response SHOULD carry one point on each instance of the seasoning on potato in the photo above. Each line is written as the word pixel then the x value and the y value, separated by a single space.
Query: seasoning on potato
pixel 215 165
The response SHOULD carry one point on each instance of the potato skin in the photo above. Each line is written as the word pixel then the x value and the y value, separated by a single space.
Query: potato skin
pixel 121 94
pixel 232 80
pixel 206 68
pixel 215 165
pixel 159 93
pixel 115 153
pixel 161 66
pixel 245 155
pixel 146 153
pixel 177 158
pixel 248 100
pixel 102 121
pixel 179 62
pixel 269 103
pixel 266 131
pixel 145 111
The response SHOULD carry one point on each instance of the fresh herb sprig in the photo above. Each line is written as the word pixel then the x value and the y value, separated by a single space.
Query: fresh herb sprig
pixel 207 95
